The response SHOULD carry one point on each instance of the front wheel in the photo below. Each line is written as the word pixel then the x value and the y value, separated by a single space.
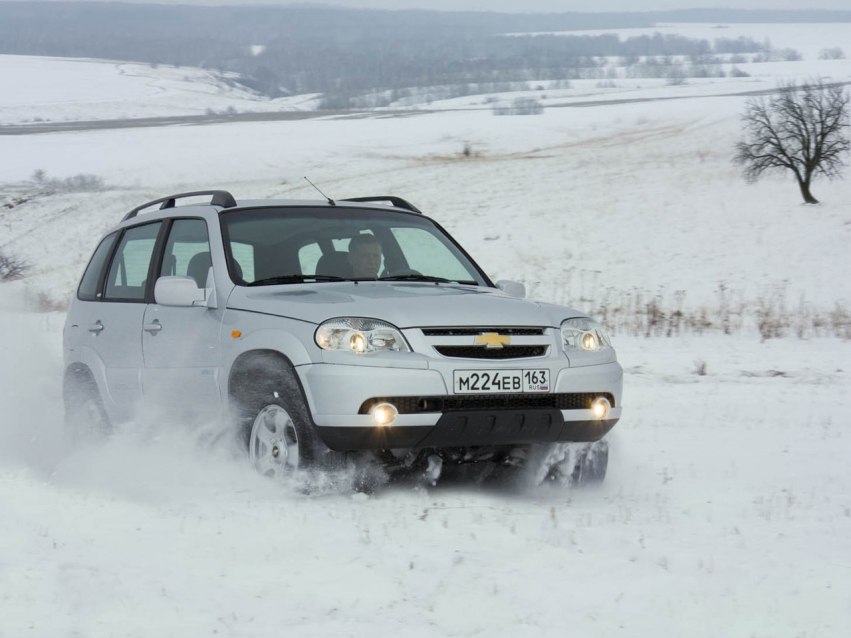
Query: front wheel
pixel 579 464
pixel 273 443
pixel 590 464
pixel 274 424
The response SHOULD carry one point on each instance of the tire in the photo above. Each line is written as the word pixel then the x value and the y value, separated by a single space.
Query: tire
pixel 86 420
pixel 571 464
pixel 274 426
pixel 590 463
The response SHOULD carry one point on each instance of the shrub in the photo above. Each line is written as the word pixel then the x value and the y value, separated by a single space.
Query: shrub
pixel 790 55
pixel 640 314
pixel 676 77
pixel 833 53
pixel 81 183
pixel 42 302
pixel 12 268
pixel 520 106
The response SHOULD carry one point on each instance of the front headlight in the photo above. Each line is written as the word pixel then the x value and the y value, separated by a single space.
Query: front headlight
pixel 582 333
pixel 359 335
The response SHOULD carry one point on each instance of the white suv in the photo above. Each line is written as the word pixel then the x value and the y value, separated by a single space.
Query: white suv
pixel 320 328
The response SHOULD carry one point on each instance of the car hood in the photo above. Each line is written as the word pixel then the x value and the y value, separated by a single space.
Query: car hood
pixel 405 305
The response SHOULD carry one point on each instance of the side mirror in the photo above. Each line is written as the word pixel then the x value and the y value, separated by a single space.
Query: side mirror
pixel 512 288
pixel 178 291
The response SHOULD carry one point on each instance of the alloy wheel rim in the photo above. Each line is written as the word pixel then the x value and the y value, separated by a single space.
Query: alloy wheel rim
pixel 273 445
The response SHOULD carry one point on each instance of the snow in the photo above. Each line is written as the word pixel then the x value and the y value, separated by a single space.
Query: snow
pixel 727 508
pixel 726 512
pixel 72 89
pixel 645 174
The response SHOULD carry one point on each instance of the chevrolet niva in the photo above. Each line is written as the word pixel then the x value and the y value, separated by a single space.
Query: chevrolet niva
pixel 320 329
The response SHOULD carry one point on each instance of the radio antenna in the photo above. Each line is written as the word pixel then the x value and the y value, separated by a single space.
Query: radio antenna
pixel 330 201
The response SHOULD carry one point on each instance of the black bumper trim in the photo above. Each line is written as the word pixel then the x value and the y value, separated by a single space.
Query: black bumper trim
pixel 470 429
pixel 344 439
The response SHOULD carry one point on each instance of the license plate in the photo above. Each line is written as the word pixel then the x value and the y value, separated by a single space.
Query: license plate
pixel 501 381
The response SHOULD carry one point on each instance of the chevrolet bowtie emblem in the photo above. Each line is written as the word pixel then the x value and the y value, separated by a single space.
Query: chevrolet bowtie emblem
pixel 492 340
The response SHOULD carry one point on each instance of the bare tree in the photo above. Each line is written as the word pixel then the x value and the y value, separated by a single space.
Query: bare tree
pixel 12 268
pixel 800 129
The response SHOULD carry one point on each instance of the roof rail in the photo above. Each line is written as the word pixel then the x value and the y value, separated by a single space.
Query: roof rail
pixel 220 198
pixel 398 202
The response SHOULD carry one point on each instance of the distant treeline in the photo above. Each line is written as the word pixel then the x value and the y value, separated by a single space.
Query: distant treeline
pixel 342 52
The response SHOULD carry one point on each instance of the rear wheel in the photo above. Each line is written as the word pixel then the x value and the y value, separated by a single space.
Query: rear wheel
pixel 85 416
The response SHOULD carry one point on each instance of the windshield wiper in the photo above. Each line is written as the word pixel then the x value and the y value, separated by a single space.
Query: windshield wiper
pixel 295 279
pixel 418 277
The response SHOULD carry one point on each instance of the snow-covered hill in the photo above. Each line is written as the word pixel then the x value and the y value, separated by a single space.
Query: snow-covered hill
pixel 727 509
pixel 44 89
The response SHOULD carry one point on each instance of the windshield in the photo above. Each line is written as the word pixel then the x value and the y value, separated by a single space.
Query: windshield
pixel 269 246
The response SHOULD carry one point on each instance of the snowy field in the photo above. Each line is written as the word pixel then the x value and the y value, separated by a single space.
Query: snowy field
pixel 726 512
pixel 727 508
pixel 577 203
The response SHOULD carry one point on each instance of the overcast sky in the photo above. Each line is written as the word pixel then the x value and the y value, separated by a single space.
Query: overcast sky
pixel 555 6
pixel 537 6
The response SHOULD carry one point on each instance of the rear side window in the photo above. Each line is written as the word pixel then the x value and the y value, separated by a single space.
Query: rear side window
pixel 128 272
pixel 88 290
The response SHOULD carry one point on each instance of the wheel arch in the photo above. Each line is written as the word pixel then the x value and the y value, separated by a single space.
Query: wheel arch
pixel 88 363
pixel 274 364
pixel 76 369
pixel 77 372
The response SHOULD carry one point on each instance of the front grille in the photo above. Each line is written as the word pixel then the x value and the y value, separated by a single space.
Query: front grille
pixel 420 405
pixel 475 332
pixel 481 352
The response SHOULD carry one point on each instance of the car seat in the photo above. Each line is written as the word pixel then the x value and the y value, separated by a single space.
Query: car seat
pixel 334 263
pixel 198 268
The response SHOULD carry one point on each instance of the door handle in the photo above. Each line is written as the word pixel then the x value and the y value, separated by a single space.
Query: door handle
pixel 154 327
pixel 96 327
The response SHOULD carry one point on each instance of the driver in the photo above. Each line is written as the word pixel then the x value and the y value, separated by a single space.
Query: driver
pixel 365 256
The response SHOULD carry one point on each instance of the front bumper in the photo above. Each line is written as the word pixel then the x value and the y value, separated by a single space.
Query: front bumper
pixel 469 429
pixel 336 393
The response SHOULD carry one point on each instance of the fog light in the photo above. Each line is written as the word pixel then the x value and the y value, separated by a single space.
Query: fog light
pixel 601 407
pixel 384 413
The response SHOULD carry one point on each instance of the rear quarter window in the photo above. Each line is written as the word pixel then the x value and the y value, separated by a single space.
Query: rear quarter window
pixel 88 290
